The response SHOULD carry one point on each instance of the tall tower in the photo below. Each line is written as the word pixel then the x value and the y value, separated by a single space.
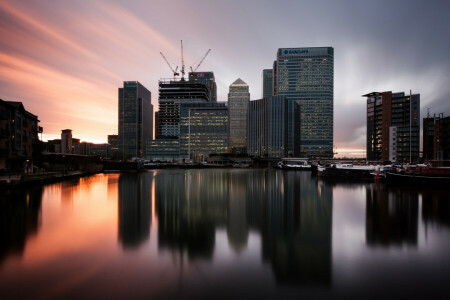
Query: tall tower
pixel 306 77
pixel 135 119
pixel 238 100
pixel 267 83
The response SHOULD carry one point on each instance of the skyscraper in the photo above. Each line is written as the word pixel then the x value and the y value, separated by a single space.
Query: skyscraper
pixel 267 127
pixel 207 78
pixel 393 127
pixel 135 119
pixel 190 125
pixel 238 99
pixel 305 77
pixel 267 83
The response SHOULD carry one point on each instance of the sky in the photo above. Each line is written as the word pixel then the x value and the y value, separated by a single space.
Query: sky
pixel 65 60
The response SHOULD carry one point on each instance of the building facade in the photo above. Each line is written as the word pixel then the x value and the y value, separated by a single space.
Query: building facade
pixel 267 127
pixel 306 77
pixel 208 79
pixel 393 127
pixel 436 138
pixel 238 99
pixel 267 83
pixel 171 94
pixel 203 129
pixel 190 125
pixel 18 136
pixel 135 119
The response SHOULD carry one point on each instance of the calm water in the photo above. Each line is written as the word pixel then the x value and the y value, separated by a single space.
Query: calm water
pixel 222 233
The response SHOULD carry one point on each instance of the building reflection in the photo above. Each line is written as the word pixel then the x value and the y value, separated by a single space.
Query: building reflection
pixel 134 209
pixel 294 214
pixel 20 218
pixel 436 207
pixel 189 206
pixel 391 216
pixel 237 225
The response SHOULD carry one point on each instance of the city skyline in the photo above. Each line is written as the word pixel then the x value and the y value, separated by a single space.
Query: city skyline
pixel 72 57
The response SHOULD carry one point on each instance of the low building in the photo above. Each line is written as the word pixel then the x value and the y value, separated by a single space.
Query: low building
pixel 163 149
pixel 18 136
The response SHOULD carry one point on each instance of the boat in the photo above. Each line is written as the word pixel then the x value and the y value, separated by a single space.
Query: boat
pixel 294 164
pixel 421 175
pixel 347 171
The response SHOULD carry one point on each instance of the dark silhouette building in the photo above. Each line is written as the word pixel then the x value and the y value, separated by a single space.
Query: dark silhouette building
pixel 436 138
pixel 18 136
pixel 135 119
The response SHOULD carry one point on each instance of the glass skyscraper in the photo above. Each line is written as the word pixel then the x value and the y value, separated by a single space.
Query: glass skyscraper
pixel 238 99
pixel 135 119
pixel 208 79
pixel 306 77
pixel 267 127
pixel 267 81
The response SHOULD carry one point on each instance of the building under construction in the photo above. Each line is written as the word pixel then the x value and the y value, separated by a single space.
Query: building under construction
pixel 190 124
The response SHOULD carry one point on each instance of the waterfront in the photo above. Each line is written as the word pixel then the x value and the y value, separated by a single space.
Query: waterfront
pixel 222 233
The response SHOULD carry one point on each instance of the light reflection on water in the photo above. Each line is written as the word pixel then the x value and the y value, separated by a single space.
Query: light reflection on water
pixel 222 233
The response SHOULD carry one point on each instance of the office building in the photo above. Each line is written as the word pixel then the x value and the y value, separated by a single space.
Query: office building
pixel 274 78
pixel 18 136
pixel 267 83
pixel 157 129
pixel 436 138
pixel 206 78
pixel 305 77
pixel 135 119
pixel 267 127
pixel 171 94
pixel 190 125
pixel 203 129
pixel 393 127
pixel 238 99
pixel 113 141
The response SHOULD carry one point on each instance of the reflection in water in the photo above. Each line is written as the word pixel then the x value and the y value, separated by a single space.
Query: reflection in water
pixel 20 217
pixel 134 208
pixel 295 225
pixel 222 233
pixel 292 213
pixel 436 207
pixel 237 226
pixel 391 216
pixel 189 205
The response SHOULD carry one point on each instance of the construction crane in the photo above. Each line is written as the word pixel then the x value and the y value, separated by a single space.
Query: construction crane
pixel 204 56
pixel 182 62
pixel 175 73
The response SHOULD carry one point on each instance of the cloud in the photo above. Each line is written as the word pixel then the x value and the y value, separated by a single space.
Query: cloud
pixel 65 60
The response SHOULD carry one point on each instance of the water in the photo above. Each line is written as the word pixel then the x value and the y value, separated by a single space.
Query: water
pixel 222 234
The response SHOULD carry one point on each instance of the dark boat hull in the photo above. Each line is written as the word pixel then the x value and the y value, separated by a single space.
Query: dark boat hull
pixel 346 174
pixel 417 179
